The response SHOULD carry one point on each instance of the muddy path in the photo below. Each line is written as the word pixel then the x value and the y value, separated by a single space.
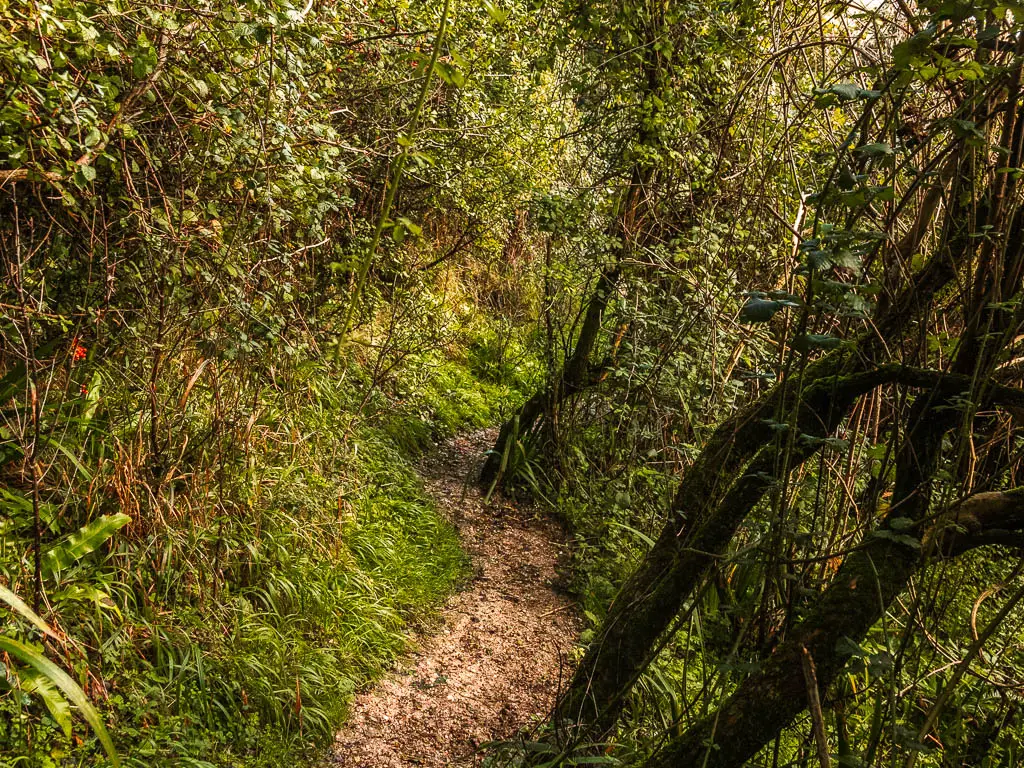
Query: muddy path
pixel 494 662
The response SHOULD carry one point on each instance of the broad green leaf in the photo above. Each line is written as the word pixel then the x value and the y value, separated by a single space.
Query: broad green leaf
pixel 34 681
pixel 842 93
pixel 85 174
pixel 878 149
pixel 83 541
pixel 758 310
pixel 413 227
pixel 86 593
pixel 69 687
pixel 809 341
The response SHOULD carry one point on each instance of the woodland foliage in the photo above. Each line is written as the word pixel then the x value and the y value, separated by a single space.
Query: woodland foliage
pixel 741 281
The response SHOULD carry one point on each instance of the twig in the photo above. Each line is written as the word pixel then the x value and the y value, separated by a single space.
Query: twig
pixel 559 609
pixel 814 704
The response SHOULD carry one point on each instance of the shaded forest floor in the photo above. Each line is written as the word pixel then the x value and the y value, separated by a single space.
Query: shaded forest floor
pixel 495 661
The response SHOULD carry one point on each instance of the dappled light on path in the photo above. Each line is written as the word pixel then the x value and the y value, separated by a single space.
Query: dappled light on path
pixel 495 662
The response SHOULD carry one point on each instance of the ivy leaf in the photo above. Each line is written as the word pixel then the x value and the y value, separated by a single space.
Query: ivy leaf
pixel 809 341
pixel 84 175
pixel 760 310
pixel 878 149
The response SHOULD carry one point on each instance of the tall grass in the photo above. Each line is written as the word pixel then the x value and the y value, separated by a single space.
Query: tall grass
pixel 273 566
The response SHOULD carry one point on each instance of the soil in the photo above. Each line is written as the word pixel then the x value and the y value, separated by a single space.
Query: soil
pixel 495 662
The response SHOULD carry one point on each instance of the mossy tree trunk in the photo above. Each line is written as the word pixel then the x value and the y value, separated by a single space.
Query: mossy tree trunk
pixel 875 573
pixel 743 458
pixel 577 374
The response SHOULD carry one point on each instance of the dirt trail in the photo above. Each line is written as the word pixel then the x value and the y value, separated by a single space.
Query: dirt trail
pixel 495 661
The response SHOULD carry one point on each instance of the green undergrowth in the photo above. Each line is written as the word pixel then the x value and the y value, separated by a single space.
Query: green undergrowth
pixel 231 621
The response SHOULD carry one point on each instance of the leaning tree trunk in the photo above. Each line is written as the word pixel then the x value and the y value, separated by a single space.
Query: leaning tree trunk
pixel 873 576
pixel 576 375
pixel 717 492
pixel 578 372
pixel 867 583
pixel 737 466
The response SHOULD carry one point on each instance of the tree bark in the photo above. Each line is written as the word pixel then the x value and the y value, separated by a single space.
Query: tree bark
pixel 865 586
pixel 708 519
pixel 707 509
pixel 867 582
pixel 576 375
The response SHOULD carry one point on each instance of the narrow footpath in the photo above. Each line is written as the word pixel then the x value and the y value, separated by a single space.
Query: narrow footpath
pixel 495 662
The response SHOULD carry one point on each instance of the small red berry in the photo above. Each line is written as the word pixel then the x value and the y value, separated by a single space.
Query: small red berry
pixel 79 352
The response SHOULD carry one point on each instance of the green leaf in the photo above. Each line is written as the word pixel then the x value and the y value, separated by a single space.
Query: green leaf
pixel 450 74
pixel 496 13
pixel 85 473
pixel 540 747
pixel 842 93
pixel 758 310
pixel 846 646
pixel 639 534
pixel 844 257
pixel 85 174
pixel 33 681
pixel 83 541
pixel 69 687
pixel 878 149
pixel 86 593
pixel 910 50
pixel 19 606
pixel 93 137
pixel 899 538
pixel 809 341
pixel 413 227
pixel 964 129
